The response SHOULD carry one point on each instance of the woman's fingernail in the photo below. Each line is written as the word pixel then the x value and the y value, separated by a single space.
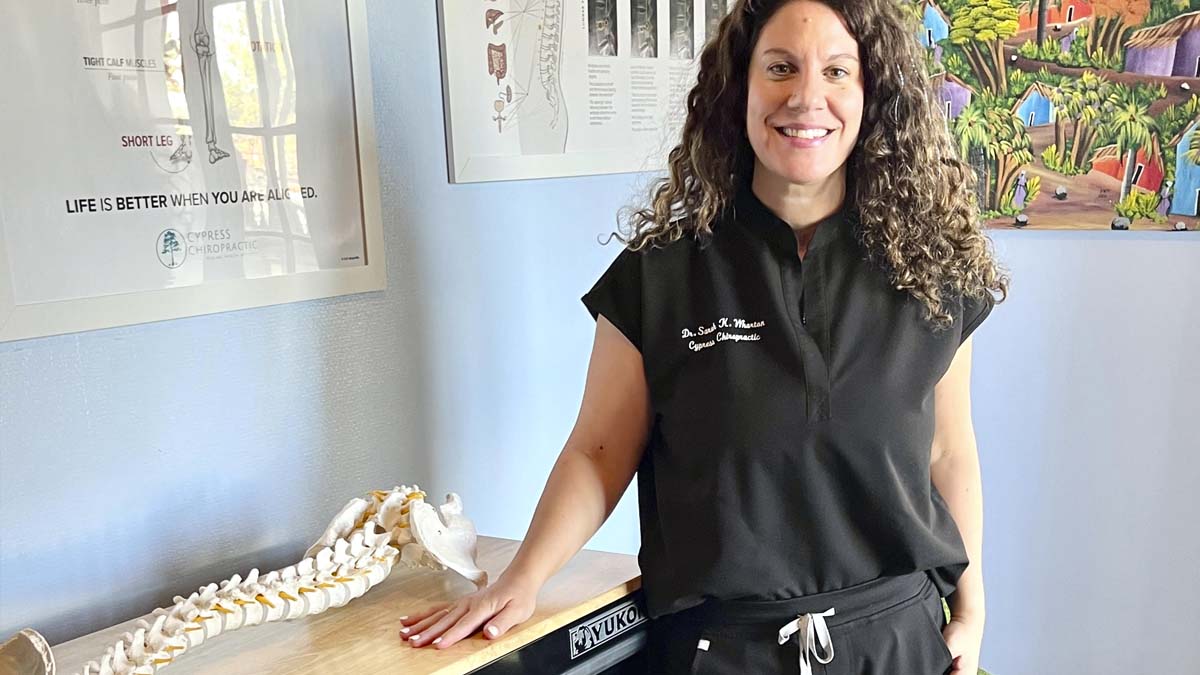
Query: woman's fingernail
pixel 493 631
pixel 403 630
pixel 415 638
pixel 404 618
pixel 437 641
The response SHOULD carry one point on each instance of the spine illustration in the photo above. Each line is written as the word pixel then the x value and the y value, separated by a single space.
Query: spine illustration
pixel 550 55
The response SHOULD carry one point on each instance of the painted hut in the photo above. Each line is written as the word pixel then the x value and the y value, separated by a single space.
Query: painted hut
pixel 955 94
pixel 1034 107
pixel 1067 12
pixel 1185 200
pixel 1148 167
pixel 935 26
pixel 1168 49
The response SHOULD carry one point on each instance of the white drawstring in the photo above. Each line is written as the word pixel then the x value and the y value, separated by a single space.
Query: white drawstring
pixel 804 623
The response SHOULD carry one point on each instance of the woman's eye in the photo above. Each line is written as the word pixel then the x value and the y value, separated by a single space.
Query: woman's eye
pixel 839 72
pixel 780 69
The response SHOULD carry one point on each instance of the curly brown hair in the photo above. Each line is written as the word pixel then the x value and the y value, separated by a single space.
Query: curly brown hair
pixel 913 196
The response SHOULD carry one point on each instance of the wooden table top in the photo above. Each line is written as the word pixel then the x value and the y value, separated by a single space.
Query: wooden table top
pixel 363 636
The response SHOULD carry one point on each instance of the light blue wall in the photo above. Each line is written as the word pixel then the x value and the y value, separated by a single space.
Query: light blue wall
pixel 139 462
pixel 1085 387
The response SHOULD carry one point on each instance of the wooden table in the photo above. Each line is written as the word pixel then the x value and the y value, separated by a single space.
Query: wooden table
pixel 363 636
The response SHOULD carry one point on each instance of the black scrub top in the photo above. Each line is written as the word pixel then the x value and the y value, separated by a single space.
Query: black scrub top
pixel 793 413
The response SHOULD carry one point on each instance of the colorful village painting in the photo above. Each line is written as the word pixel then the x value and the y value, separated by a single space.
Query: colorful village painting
pixel 1075 114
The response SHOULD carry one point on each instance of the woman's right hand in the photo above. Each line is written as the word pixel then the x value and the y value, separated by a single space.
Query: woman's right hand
pixel 496 608
pixel 594 469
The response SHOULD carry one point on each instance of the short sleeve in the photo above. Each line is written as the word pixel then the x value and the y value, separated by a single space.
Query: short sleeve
pixel 618 296
pixel 975 310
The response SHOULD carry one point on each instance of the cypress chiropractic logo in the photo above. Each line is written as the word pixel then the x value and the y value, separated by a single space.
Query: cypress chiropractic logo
pixel 591 634
pixel 174 247
pixel 171 249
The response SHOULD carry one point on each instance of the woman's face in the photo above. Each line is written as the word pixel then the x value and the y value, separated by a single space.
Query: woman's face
pixel 805 94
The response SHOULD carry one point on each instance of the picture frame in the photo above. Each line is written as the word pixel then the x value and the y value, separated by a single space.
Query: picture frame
pixel 312 229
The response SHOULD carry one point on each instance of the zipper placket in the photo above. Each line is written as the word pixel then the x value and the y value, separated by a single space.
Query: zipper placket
pixel 812 362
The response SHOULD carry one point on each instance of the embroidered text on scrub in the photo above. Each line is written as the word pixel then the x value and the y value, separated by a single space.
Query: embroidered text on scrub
pixel 805 625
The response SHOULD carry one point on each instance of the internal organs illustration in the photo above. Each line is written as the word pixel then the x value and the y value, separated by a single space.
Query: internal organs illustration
pixel 202 45
pixel 532 98
pixel 498 61
pixel 492 20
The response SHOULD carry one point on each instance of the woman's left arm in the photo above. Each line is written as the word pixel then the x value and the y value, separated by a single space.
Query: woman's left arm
pixel 954 467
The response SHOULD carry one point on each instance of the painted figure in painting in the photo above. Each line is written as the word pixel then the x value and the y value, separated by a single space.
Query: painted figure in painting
pixel 1021 192
pixel 1164 199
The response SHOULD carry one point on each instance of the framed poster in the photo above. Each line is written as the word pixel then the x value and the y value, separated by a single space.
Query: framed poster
pixel 167 158
pixel 546 88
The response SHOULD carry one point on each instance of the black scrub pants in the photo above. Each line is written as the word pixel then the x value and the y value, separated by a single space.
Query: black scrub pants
pixel 888 626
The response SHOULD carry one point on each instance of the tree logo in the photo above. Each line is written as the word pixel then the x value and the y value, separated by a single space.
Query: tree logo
pixel 171 249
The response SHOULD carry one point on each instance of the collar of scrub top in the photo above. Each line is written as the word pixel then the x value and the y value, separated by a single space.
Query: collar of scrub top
pixel 752 214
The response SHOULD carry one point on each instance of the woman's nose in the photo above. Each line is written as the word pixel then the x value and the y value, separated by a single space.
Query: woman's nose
pixel 807 93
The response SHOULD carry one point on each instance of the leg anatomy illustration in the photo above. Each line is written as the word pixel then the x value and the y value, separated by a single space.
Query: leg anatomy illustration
pixel 202 45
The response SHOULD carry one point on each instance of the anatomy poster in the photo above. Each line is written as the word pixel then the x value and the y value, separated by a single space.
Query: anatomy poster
pixel 1075 114
pixel 154 144
pixel 542 88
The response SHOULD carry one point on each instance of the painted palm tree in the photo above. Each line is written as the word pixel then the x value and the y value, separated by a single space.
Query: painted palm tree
pixel 1193 152
pixel 1111 22
pixel 1043 18
pixel 970 128
pixel 1041 31
pixel 979 28
pixel 1089 97
pixel 1009 147
pixel 1134 129
pixel 1060 98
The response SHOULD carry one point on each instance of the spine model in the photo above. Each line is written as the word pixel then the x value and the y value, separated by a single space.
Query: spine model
pixel 356 552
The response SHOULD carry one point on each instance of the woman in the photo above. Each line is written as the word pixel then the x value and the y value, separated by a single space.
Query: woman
pixel 782 354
